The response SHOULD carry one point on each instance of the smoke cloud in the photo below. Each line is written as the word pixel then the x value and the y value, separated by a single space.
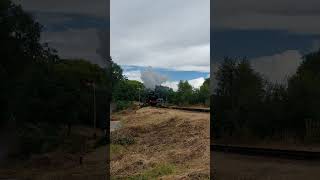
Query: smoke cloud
pixel 151 79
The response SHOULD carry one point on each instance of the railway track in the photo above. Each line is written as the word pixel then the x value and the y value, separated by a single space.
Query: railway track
pixel 186 109
pixel 252 151
pixel 265 152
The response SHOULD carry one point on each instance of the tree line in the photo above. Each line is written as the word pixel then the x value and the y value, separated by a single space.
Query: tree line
pixel 246 105
pixel 42 93
pixel 125 91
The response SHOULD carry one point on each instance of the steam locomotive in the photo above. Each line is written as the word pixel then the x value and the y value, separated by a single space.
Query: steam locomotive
pixel 153 99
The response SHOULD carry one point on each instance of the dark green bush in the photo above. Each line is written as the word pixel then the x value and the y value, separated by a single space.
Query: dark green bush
pixel 122 105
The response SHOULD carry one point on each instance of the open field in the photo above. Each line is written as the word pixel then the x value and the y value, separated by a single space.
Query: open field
pixel 167 144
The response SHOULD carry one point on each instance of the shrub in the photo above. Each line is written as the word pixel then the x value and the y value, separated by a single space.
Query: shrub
pixel 122 105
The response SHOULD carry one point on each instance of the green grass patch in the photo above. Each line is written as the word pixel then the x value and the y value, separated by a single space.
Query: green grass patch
pixel 116 150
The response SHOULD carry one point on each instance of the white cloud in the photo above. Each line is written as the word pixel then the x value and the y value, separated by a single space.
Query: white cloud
pixel 136 75
pixel 166 34
pixel 195 83
pixel 133 75
pixel 171 84
pixel 278 67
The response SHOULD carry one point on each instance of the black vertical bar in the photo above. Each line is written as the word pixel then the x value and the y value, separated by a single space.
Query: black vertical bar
pixel 211 91
pixel 110 93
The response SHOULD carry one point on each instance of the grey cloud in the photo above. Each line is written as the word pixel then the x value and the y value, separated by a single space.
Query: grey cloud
pixel 279 67
pixel 276 68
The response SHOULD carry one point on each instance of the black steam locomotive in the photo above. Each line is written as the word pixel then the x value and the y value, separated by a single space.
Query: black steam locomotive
pixel 153 99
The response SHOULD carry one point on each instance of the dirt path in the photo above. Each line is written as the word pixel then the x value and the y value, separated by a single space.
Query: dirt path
pixel 172 143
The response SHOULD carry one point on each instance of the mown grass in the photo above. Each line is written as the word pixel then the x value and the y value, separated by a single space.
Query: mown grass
pixel 151 174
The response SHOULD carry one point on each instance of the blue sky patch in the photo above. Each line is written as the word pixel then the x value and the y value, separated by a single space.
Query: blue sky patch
pixel 172 75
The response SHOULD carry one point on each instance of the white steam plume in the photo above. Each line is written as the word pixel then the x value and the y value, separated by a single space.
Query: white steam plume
pixel 151 79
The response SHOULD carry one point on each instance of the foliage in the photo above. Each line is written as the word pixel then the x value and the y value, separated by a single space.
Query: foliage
pixel 127 90
pixel 247 106
pixel 40 88
pixel 122 105
pixel 304 91
pixel 184 92
pixel 204 92
pixel 20 53
pixel 117 75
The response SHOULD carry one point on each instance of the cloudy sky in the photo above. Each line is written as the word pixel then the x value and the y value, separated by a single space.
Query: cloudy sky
pixel 272 34
pixel 76 28
pixel 171 36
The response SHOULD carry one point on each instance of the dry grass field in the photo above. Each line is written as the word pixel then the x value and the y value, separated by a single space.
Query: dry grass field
pixel 168 144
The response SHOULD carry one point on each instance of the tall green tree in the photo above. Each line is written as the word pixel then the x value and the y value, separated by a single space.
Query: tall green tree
pixel 304 91
pixel 185 92
pixel 239 95
pixel 204 92
pixel 21 55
